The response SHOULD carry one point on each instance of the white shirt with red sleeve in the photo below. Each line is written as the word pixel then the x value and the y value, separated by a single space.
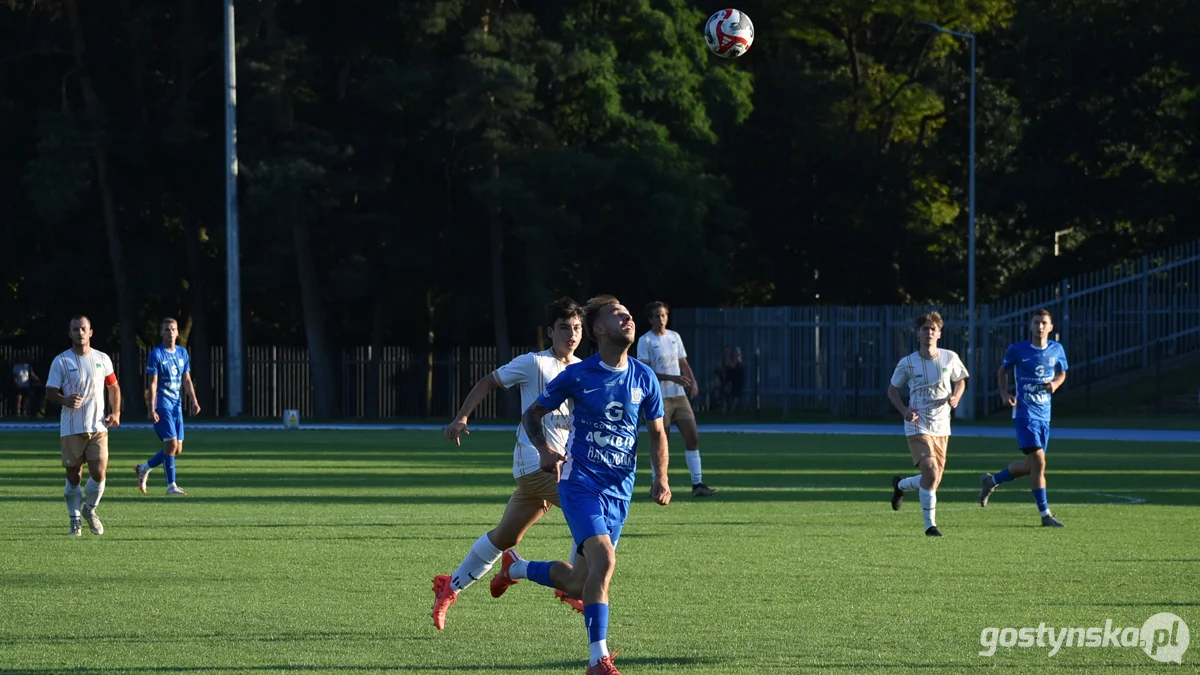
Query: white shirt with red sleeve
pixel 86 374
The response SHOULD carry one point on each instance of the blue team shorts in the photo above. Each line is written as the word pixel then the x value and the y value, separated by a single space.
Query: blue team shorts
pixel 169 424
pixel 1032 434
pixel 590 513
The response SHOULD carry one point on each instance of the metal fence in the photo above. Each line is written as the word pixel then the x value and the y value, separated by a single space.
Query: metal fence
pixel 838 360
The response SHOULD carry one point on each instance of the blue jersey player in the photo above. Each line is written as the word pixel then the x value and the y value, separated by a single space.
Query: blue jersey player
pixel 170 371
pixel 611 393
pixel 1039 368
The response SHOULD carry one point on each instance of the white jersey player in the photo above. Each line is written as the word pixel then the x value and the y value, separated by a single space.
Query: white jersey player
pixel 80 378
pixel 536 490
pixel 936 379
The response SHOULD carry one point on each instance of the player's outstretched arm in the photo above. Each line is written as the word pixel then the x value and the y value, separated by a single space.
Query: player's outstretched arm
pixel 532 422
pixel 458 427
pixel 660 492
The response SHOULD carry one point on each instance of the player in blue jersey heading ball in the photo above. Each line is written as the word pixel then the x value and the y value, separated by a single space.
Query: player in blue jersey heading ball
pixel 170 371
pixel 1039 367
pixel 611 393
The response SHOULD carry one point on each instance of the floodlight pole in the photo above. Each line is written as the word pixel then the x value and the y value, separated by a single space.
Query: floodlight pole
pixel 233 277
pixel 972 340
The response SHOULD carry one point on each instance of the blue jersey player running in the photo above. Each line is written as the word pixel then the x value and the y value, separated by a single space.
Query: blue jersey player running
pixel 611 392
pixel 170 371
pixel 1039 368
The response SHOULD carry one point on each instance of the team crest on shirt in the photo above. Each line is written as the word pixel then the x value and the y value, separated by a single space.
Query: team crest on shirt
pixel 1053 359
pixel 635 395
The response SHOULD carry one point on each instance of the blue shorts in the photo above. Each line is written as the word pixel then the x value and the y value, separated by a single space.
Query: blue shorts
pixel 1032 434
pixel 169 424
pixel 590 513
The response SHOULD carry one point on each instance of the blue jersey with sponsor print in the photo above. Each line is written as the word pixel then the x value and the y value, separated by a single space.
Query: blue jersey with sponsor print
pixel 1032 369
pixel 609 404
pixel 170 367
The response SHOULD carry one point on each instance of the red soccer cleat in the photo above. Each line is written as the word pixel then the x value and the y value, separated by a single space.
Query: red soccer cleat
pixel 575 603
pixel 443 597
pixel 500 580
pixel 603 667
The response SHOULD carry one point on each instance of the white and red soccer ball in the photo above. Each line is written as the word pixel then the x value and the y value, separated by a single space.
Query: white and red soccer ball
pixel 729 33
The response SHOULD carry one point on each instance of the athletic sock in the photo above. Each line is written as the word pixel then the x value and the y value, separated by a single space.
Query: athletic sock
pixel 479 560
pixel 911 483
pixel 929 507
pixel 94 492
pixel 169 469
pixel 74 497
pixel 595 617
pixel 154 461
pixel 1002 476
pixel 1039 498
pixel 692 457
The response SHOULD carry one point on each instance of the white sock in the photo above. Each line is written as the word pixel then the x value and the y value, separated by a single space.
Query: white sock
pixel 74 497
pixel 693 461
pixel 911 483
pixel 94 492
pixel 517 569
pixel 929 507
pixel 481 558
pixel 599 650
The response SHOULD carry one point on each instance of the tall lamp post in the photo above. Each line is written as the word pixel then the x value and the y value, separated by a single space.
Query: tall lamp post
pixel 972 340
pixel 233 275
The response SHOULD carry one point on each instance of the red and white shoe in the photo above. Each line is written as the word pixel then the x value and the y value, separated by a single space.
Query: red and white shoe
pixel 604 667
pixel 501 580
pixel 443 597
pixel 141 477
pixel 575 603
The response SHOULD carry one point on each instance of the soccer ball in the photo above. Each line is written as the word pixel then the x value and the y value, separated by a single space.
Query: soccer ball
pixel 729 33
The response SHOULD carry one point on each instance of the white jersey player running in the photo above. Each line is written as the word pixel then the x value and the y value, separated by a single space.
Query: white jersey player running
pixel 936 379
pixel 536 490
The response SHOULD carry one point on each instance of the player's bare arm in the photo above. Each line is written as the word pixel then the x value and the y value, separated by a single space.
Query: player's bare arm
pixel 532 421
pixel 1053 385
pixel 681 380
pixel 190 390
pixel 152 399
pixel 906 413
pixel 693 387
pixel 957 394
pixel 480 391
pixel 54 395
pixel 660 492
pixel 1002 380
pixel 114 404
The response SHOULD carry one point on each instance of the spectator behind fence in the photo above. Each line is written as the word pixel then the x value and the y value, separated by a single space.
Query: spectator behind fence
pixel 731 375
pixel 23 378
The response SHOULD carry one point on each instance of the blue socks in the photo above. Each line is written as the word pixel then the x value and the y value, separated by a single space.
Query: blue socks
pixel 1002 476
pixel 169 468
pixel 157 459
pixel 539 573
pixel 1039 497
pixel 596 618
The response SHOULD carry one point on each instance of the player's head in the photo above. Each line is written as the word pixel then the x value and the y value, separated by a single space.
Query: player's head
pixel 80 331
pixel 168 328
pixel 565 326
pixel 1041 324
pixel 608 322
pixel 657 313
pixel 929 328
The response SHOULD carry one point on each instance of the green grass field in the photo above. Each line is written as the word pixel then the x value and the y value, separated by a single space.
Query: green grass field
pixel 313 552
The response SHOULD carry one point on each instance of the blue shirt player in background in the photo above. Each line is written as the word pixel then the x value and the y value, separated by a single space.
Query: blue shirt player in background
pixel 1039 368
pixel 170 371
pixel 611 393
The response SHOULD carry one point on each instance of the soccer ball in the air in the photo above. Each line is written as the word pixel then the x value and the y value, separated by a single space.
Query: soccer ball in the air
pixel 729 33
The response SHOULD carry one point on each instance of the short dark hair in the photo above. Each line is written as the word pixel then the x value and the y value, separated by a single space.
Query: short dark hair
pixel 78 317
pixel 560 310
pixel 932 317
pixel 166 320
pixel 1041 312
pixel 652 307
pixel 592 310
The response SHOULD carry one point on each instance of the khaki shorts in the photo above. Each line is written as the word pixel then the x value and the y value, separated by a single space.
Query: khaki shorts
pixel 922 446
pixel 537 489
pixel 78 447
pixel 677 408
